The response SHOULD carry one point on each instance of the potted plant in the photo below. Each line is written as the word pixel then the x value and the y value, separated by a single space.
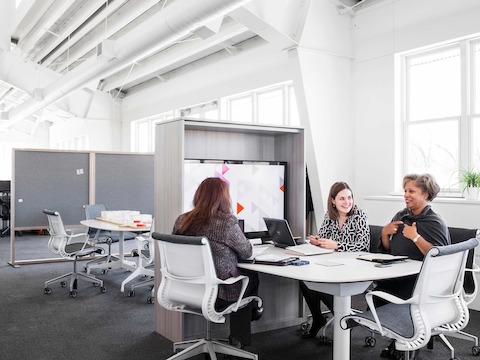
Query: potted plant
pixel 470 180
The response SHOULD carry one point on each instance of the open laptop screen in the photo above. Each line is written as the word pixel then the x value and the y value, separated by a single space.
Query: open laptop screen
pixel 280 232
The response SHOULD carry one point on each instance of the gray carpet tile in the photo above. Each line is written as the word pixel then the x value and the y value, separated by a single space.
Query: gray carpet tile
pixel 111 325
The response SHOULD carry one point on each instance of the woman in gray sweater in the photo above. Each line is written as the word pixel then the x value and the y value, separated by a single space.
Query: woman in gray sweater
pixel 212 217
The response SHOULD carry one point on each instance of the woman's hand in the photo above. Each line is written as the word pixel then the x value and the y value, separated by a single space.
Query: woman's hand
pixel 391 228
pixel 324 243
pixel 314 240
pixel 410 232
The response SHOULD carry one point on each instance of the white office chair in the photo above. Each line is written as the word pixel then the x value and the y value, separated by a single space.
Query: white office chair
pixel 99 236
pixel 189 284
pixel 436 302
pixel 145 265
pixel 469 292
pixel 69 246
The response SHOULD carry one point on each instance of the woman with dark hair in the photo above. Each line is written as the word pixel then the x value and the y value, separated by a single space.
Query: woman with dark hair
pixel 412 232
pixel 344 228
pixel 212 217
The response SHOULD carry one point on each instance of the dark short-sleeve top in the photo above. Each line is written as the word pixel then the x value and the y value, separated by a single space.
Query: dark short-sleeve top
pixel 228 245
pixel 429 225
pixel 354 235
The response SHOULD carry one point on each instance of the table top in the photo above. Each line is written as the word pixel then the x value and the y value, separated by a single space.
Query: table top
pixel 337 267
pixel 104 225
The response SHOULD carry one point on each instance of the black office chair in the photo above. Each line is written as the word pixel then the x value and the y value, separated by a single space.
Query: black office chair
pixel 5 214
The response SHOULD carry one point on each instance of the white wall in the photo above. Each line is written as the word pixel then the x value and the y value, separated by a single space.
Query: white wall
pixel 379 32
pixel 321 72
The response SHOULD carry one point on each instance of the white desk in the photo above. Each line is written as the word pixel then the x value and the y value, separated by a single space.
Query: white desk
pixel 342 281
pixel 122 262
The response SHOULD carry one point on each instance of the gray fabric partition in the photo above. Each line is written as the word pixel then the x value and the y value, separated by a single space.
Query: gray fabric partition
pixel 124 181
pixel 49 180
pixel 61 181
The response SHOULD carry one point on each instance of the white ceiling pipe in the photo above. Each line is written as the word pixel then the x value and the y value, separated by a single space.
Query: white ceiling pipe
pixel 7 14
pixel 178 19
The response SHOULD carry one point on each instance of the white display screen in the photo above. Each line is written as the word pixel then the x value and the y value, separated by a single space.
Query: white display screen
pixel 257 190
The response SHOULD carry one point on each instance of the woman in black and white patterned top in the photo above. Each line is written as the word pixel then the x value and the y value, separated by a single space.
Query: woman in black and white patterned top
pixel 344 228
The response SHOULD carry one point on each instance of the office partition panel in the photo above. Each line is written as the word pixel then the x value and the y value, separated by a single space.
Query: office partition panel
pixel 124 181
pixel 64 181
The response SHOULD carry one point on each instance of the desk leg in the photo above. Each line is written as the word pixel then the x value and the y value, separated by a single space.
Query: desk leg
pixel 341 338
pixel 342 301
pixel 128 265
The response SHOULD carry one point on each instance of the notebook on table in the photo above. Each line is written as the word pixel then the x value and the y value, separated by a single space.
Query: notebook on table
pixel 282 236
pixel 382 258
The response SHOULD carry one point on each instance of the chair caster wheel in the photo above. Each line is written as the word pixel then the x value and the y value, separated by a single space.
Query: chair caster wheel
pixel 131 293
pixel 476 350
pixel 370 341
pixel 305 326
pixel 325 340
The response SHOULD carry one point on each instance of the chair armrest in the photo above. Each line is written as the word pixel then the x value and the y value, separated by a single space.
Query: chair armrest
pixel 388 297
pixel 74 236
pixel 244 279
pixel 475 268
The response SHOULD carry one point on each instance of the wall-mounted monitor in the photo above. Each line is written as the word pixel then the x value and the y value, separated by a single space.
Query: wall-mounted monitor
pixel 257 189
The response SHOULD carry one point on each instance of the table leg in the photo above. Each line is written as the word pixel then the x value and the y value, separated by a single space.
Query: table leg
pixel 128 265
pixel 341 338
pixel 342 301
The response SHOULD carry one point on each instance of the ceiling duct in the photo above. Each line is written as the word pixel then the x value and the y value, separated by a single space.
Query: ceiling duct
pixel 177 20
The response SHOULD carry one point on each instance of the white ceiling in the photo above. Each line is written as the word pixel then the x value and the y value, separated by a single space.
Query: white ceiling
pixel 59 46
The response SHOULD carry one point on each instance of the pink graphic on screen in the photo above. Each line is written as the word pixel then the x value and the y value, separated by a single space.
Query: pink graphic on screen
pixel 257 190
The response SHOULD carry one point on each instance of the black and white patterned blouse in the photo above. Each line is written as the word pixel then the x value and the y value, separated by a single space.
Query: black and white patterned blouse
pixel 355 233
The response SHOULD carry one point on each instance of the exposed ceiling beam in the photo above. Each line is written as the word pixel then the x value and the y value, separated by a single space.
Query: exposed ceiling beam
pixel 29 14
pixel 172 24
pixel 45 23
pixel 178 54
pixel 80 18
pixel 91 34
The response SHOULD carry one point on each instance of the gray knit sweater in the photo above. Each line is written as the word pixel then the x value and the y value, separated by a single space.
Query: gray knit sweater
pixel 228 245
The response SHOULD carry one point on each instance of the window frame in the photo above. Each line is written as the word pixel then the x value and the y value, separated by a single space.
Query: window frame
pixel 464 120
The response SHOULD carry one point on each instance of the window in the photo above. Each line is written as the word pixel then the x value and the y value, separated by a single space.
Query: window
pixel 143 132
pixel 273 105
pixel 440 117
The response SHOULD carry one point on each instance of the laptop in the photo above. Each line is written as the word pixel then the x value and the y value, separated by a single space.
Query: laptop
pixel 281 235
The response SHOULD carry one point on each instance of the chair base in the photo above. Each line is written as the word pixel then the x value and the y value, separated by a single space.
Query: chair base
pixel 139 271
pixel 73 276
pixel 101 263
pixel 211 347
pixel 458 335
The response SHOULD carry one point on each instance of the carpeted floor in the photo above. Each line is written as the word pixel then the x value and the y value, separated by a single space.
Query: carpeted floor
pixel 114 326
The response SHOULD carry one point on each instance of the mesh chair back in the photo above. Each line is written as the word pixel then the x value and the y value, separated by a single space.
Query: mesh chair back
pixel 186 267
pixel 92 212
pixel 58 235
pixel 470 282
pixel 440 283
pixel 145 247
